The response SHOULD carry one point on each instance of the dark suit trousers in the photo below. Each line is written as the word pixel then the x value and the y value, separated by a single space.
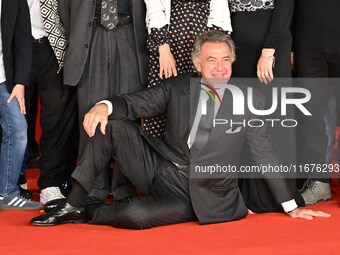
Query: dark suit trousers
pixel 111 69
pixel 58 142
pixel 316 63
pixel 167 199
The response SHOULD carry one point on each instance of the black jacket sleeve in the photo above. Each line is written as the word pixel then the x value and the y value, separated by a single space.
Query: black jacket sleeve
pixel 22 45
pixel 144 103
pixel 279 28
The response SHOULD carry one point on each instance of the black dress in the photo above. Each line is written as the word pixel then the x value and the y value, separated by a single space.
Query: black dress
pixel 259 24
pixel 188 20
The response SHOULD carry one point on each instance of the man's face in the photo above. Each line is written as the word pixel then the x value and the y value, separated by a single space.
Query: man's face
pixel 214 63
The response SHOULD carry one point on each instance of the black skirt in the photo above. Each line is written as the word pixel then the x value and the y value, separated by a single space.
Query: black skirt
pixel 250 31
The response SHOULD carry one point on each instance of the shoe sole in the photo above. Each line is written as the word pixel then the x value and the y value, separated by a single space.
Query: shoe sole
pixel 16 208
pixel 319 201
pixel 56 224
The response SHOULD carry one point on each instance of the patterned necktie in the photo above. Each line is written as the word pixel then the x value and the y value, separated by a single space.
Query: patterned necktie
pixel 109 14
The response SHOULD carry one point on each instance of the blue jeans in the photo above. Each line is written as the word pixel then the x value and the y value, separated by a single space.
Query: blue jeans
pixel 14 141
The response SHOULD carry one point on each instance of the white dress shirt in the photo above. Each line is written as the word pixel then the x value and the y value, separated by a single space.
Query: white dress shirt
pixel 37 24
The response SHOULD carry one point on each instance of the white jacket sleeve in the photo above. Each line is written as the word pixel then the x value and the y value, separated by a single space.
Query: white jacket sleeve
pixel 220 15
pixel 157 13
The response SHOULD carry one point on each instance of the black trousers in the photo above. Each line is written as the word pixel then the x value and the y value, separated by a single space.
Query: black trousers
pixel 167 199
pixel 318 64
pixel 33 147
pixel 58 119
pixel 111 69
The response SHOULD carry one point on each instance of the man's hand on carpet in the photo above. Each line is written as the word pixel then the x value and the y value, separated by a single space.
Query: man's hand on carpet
pixel 98 114
pixel 307 214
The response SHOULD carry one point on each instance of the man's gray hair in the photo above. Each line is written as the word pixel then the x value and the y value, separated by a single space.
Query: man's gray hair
pixel 213 37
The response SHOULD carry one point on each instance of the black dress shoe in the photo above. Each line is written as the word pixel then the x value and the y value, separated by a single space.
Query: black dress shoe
pixel 25 193
pixel 66 213
pixel 22 179
pixel 66 187
pixel 23 183
pixel 92 203
pixel 50 205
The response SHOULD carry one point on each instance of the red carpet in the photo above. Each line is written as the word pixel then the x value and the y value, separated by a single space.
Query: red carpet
pixel 272 233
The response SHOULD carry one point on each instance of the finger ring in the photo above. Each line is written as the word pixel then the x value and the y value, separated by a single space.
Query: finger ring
pixel 266 73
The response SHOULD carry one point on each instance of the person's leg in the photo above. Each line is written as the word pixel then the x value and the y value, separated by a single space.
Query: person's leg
pixel 32 154
pixel 334 72
pixel 144 212
pixel 14 132
pixel 58 118
pixel 31 102
pixel 109 51
pixel 311 65
pixel 22 182
pixel 167 198
pixel 137 160
pixel 333 60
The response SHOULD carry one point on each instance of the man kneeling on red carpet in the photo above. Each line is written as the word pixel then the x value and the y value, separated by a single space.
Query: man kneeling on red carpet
pixel 162 169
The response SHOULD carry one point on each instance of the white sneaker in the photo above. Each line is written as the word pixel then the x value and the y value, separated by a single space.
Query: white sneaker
pixel 50 193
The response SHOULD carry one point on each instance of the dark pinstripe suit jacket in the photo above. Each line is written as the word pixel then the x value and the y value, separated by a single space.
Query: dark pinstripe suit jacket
pixel 77 17
pixel 215 199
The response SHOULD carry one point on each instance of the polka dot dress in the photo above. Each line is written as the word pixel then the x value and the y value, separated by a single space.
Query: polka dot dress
pixel 188 20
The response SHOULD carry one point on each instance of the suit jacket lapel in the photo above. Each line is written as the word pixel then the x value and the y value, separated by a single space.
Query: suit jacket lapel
pixel 194 94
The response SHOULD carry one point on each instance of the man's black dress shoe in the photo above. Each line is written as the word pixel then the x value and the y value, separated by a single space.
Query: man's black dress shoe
pixel 66 213
pixel 22 183
pixel 66 187
pixel 92 203
pixel 50 205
